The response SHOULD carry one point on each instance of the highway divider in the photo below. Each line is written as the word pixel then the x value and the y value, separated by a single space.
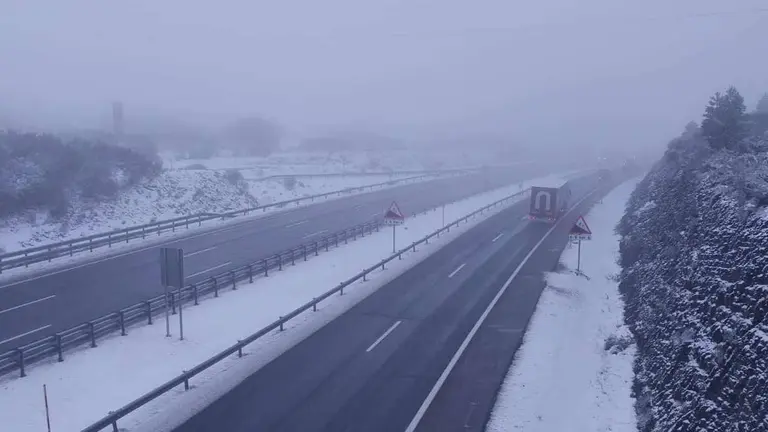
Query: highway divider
pixel 237 349
pixel 67 248
pixel 92 331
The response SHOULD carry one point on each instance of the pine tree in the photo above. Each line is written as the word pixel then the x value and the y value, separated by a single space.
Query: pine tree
pixel 725 120
pixel 762 105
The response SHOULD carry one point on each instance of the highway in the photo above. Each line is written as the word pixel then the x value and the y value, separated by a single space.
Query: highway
pixel 44 304
pixel 372 368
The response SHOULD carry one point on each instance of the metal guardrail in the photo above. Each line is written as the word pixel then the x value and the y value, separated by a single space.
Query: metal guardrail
pixel 25 257
pixel 90 332
pixel 237 348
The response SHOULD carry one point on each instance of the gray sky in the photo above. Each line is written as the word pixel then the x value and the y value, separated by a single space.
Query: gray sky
pixel 547 71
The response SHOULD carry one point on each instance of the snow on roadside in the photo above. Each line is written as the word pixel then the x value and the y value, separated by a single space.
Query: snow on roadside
pixel 563 378
pixel 287 188
pixel 91 382
pixel 172 194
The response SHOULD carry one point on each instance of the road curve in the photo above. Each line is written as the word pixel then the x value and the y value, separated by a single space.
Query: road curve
pixel 43 305
pixel 372 368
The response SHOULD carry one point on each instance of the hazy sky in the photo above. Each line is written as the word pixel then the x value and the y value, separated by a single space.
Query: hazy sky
pixel 544 71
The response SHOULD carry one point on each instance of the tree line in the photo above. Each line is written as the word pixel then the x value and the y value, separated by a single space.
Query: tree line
pixel 44 172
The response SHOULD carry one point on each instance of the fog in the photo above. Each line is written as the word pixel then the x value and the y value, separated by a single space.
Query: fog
pixel 551 72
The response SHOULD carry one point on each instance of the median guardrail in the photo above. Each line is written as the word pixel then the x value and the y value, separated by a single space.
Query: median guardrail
pixel 278 325
pixel 49 252
pixel 19 358
pixel 91 331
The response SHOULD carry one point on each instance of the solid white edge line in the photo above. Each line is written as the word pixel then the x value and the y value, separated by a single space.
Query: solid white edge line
pixel 295 224
pixel 27 304
pixel 458 269
pixel 212 268
pixel 314 234
pixel 200 251
pixel 24 334
pixel 381 338
pixel 444 376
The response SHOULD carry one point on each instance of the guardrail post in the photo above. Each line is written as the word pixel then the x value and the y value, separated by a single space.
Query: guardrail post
pixel 173 302
pixel 143 233
pixel 93 334
pixel 364 275
pixel 234 281
pixel 186 381
pixel 70 249
pixel 414 247
pixel 195 293
pixel 122 323
pixel 279 262
pixel 336 238
pixel 293 257
pixel 109 240
pixel 341 288
pixel 314 304
pixel 266 267
pixel 50 254
pixel 59 348
pixel 304 251
pixel 90 245
pixel 149 312
pixel 281 324
pixel 326 243
pixel 21 362
pixel 316 248
pixel 186 222
pixel 346 237
pixel 399 256
pixel 215 287
pixel 250 273
pixel 239 348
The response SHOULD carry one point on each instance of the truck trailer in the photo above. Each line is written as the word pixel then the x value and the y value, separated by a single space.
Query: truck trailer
pixel 548 204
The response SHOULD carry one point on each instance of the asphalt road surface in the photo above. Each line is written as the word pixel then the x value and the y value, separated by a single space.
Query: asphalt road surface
pixel 373 367
pixel 42 305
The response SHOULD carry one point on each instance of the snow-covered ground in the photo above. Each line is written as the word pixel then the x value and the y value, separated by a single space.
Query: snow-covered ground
pixel 563 378
pixel 307 162
pixel 287 188
pixel 174 193
pixel 91 382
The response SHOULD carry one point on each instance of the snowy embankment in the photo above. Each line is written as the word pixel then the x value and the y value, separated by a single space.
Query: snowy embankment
pixel 172 194
pixel 694 256
pixel 574 369
pixel 91 382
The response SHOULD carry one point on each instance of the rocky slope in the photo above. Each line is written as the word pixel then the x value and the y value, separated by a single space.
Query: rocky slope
pixel 694 253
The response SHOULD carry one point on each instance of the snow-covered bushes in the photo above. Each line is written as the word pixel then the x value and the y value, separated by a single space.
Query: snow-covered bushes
pixel 694 253
pixel 41 172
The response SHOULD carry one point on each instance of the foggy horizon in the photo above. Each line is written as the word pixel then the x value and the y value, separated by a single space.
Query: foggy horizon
pixel 546 74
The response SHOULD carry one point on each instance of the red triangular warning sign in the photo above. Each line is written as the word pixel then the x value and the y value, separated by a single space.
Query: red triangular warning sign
pixel 394 212
pixel 581 227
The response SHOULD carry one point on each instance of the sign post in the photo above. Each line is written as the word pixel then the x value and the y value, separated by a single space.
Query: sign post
pixel 580 231
pixel 394 217
pixel 172 276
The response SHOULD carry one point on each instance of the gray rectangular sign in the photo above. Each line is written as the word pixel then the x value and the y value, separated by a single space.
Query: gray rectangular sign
pixel 172 267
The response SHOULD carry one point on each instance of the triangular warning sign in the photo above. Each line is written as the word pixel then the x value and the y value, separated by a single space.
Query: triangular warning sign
pixel 394 212
pixel 581 227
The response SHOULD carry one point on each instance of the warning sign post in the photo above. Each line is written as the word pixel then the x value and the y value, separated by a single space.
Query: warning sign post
pixel 394 217
pixel 579 232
